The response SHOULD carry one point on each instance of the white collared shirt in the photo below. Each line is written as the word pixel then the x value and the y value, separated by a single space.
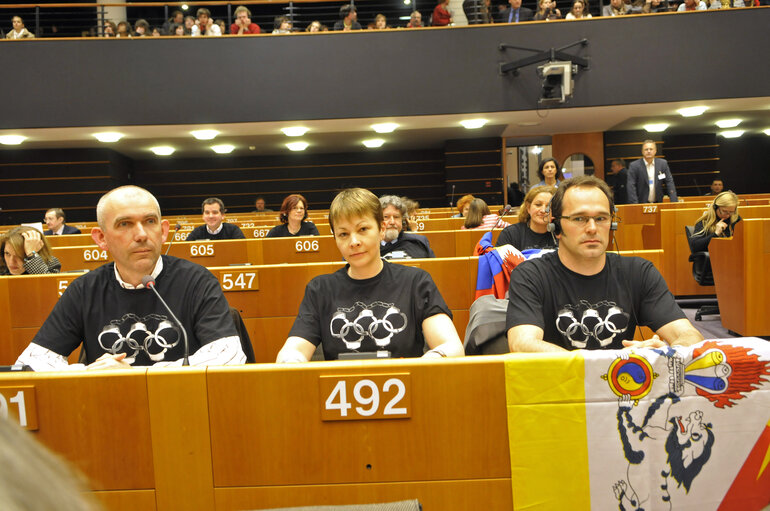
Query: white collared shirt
pixel 214 232
pixel 155 272
pixel 651 179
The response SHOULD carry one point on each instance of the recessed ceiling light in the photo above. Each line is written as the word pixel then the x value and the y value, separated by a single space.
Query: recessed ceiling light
pixel 162 150
pixel 728 123
pixel 295 131
pixel 537 149
pixel 204 134
pixel 656 127
pixel 297 146
pixel 374 142
pixel 472 124
pixel 108 136
pixel 385 127
pixel 223 148
pixel 732 133
pixel 767 132
pixel 12 139
pixel 692 111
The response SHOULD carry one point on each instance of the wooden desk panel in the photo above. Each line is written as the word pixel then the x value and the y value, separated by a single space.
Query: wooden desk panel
pixel 270 432
pixel 225 252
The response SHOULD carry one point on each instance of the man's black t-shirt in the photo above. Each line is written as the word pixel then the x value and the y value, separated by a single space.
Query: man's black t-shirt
pixel 307 228
pixel 96 310
pixel 228 232
pixel 384 312
pixel 521 237
pixel 591 312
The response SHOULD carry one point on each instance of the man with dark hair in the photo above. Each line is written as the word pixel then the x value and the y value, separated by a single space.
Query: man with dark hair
pixel 214 227
pixel 396 243
pixel 54 219
pixel 580 297
pixel 348 19
pixel 117 320
pixel 617 178
pixel 259 205
pixel 205 25
pixel 647 175
pixel 717 187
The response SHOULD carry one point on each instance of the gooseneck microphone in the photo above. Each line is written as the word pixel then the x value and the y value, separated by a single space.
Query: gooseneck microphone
pixel 505 211
pixel 176 230
pixel 452 199
pixel 149 282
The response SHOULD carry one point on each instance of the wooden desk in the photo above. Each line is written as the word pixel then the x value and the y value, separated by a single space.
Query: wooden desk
pixel 741 267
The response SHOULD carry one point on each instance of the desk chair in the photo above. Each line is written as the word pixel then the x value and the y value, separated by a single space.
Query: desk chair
pixel 701 272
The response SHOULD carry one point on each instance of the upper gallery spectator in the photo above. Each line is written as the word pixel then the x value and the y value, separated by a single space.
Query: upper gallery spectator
pixel 646 176
pixel 515 13
pixel 293 217
pixel 717 186
pixel 648 6
pixel 547 11
pixel 177 18
pixel 380 22
pixel 243 23
pixel 205 25
pixel 692 5
pixel 117 320
pixel 478 12
pixel 282 25
pixel 415 20
pixel 581 297
pixel 617 178
pixel 578 11
pixel 616 8
pixel 348 19
pixel 549 172
pixel 314 26
pixel 124 29
pixel 396 242
pixel 19 31
pixel 463 205
pixel 54 219
pixel 189 23
pixel 214 227
pixel 141 28
pixel 442 16
pixel 259 205
pixel 110 29
pixel 26 251
pixel 222 26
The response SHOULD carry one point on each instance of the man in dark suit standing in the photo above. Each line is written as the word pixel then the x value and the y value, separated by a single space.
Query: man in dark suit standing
pixel 54 219
pixel 617 178
pixel 515 13
pixel 646 176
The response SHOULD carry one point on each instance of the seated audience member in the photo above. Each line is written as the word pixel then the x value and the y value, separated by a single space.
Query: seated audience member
pixel 578 11
pixel 141 28
pixel 189 23
pixel 616 8
pixel 177 18
pixel 479 217
pixel 717 186
pixel 222 26
pixel 515 13
pixel 478 12
pixel 380 22
pixel 442 16
pixel 411 213
pixel 648 6
pixel 580 297
pixel 178 30
pixel 124 29
pixel 515 194
pixel 18 31
pixel 54 219
pixel 692 5
pixel 117 320
pixel 549 172
pixel 205 26
pixel 368 292
pixel 531 230
pixel 415 20
pixel 547 11
pixel 293 217
pixel 214 227
pixel 281 25
pixel 259 205
pixel 110 29
pixel 396 242
pixel 717 222
pixel 243 24
pixel 26 252
pixel 617 178
pixel 315 26
pixel 348 19
pixel 155 32
pixel 463 205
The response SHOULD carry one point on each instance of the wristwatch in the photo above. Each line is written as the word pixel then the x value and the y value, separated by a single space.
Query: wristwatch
pixel 30 256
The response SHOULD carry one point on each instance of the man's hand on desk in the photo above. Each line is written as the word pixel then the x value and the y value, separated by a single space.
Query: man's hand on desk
pixel 108 361
pixel 655 342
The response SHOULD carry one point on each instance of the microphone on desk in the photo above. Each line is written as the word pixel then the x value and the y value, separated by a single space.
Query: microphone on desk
pixel 176 230
pixel 505 211
pixel 149 282
pixel 452 199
